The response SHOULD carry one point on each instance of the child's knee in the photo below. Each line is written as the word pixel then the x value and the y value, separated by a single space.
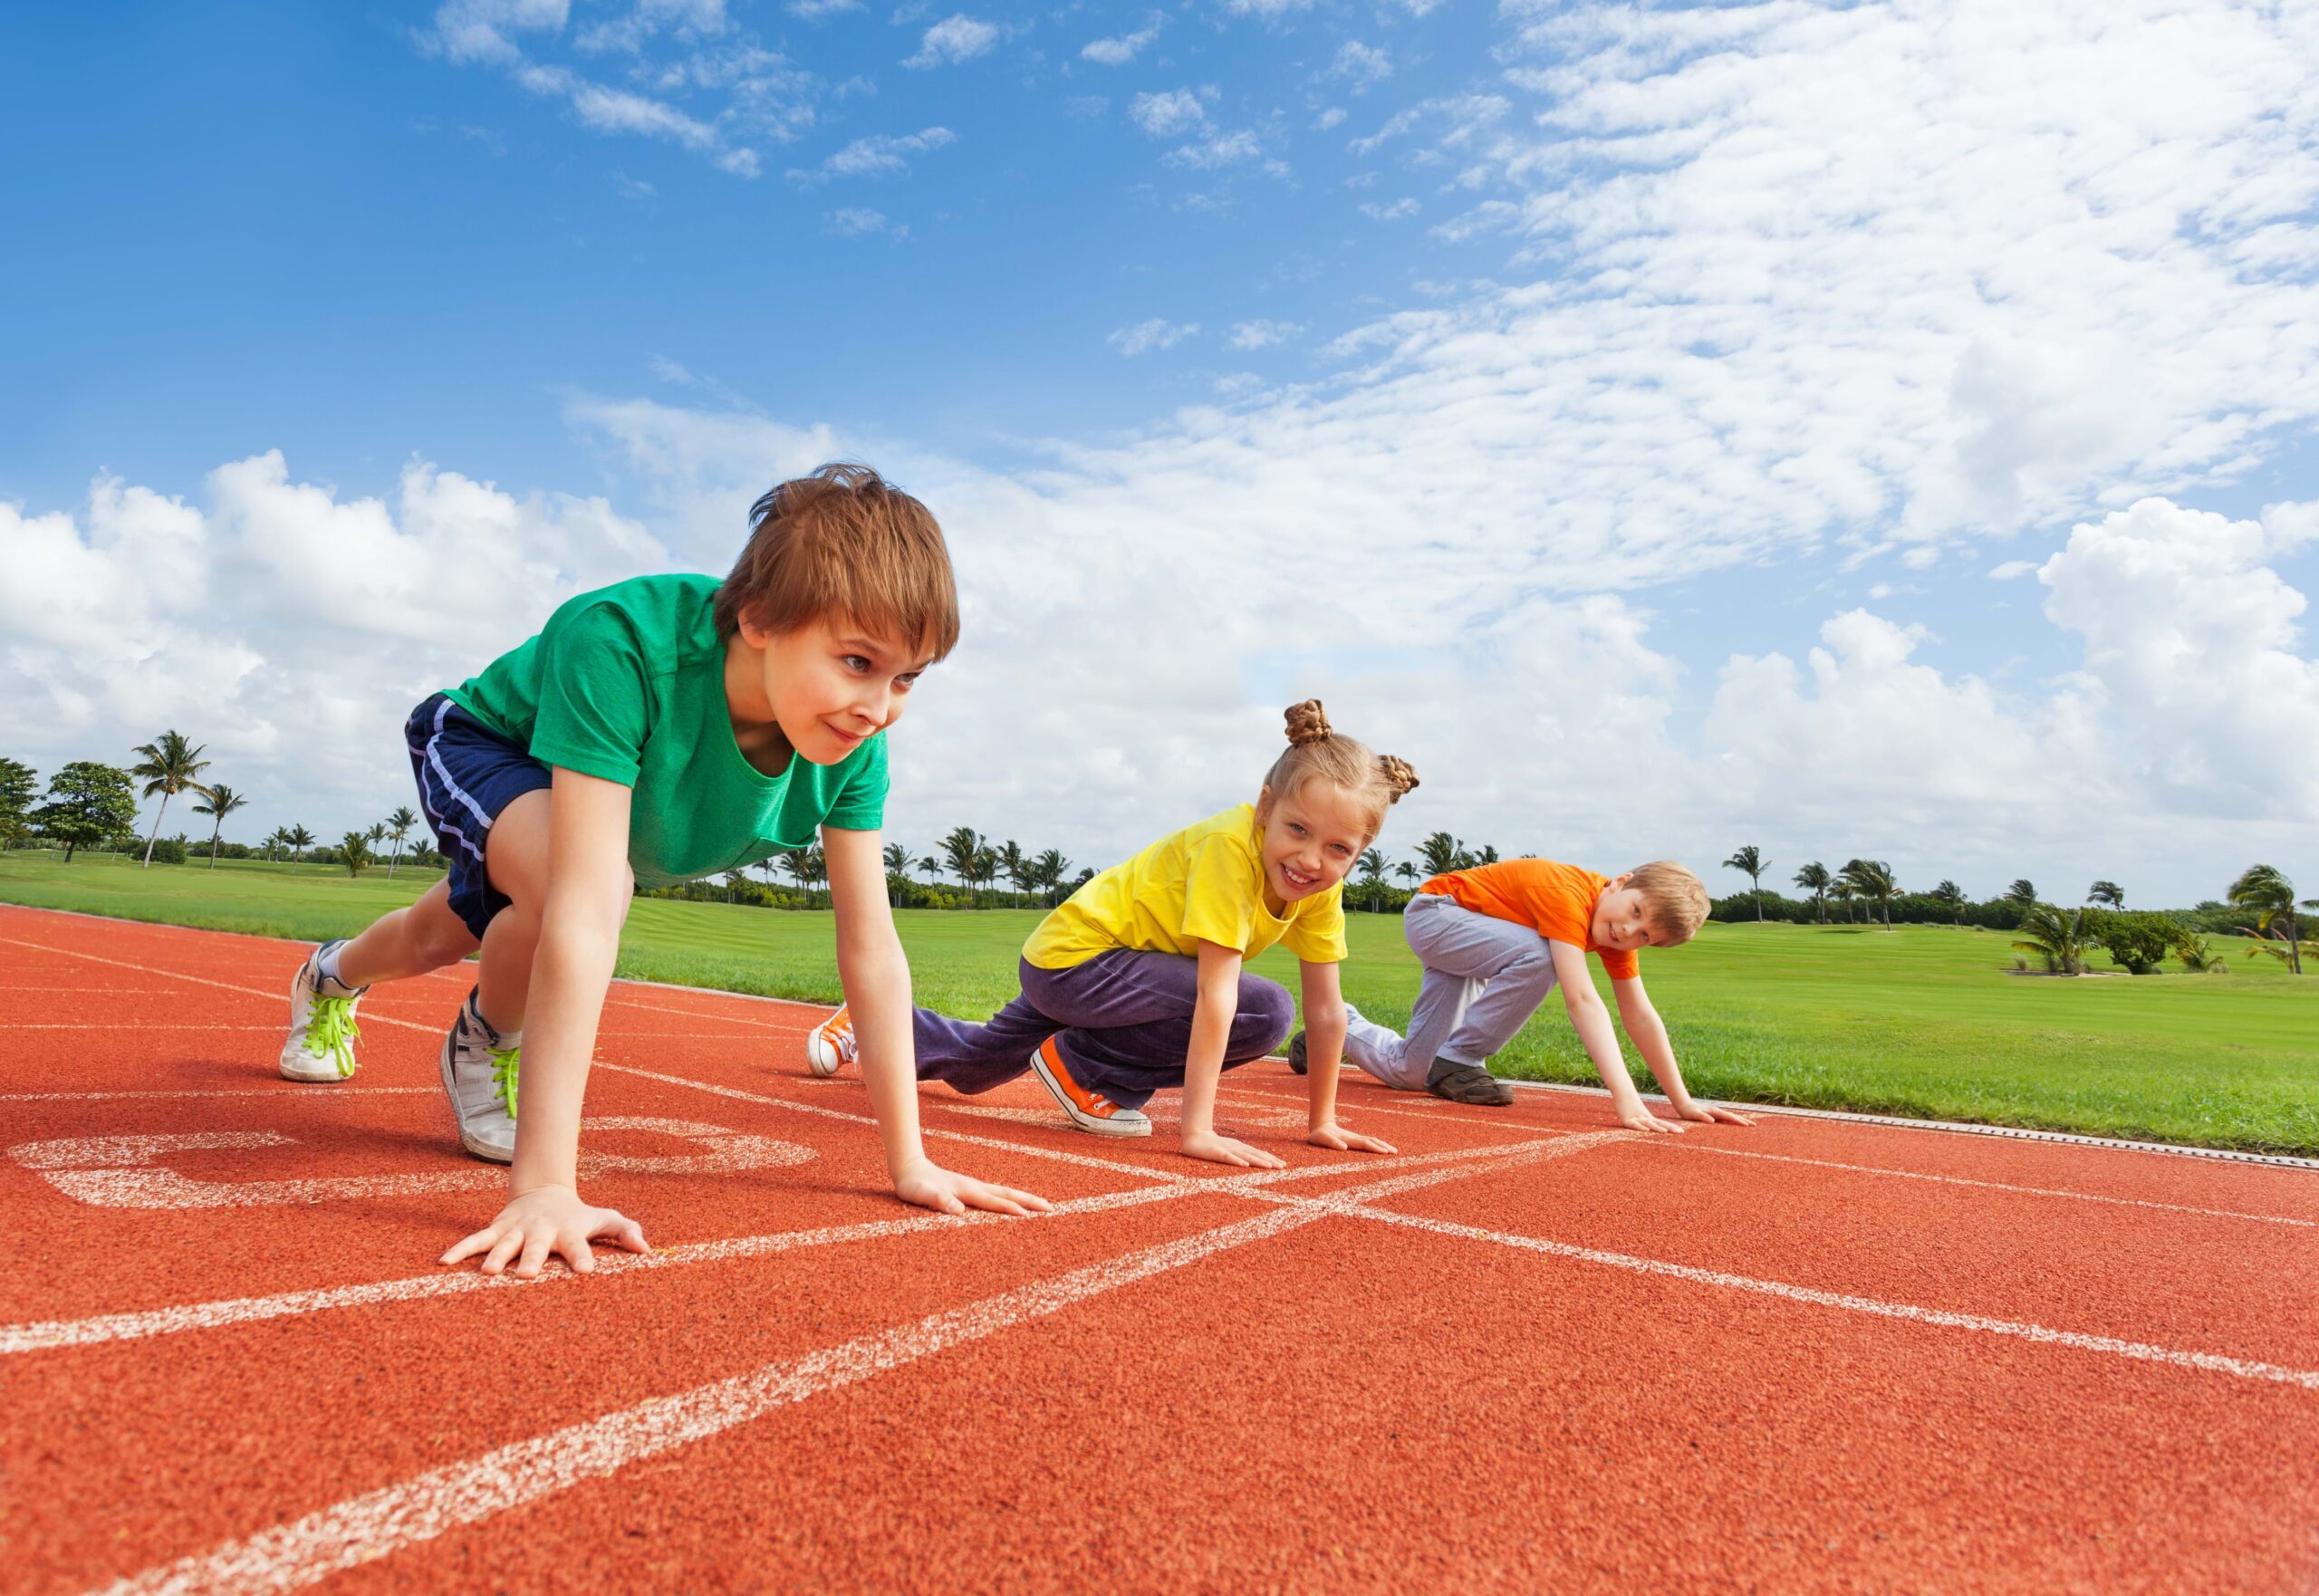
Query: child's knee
pixel 1267 1011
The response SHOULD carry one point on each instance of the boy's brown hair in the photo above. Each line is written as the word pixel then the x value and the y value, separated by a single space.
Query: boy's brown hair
pixel 844 541
pixel 1674 903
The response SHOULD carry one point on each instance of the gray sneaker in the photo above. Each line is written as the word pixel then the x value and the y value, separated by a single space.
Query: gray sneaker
pixel 479 1071
pixel 1468 1083
pixel 322 1033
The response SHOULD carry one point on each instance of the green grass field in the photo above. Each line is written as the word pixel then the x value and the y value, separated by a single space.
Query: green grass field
pixel 1919 1021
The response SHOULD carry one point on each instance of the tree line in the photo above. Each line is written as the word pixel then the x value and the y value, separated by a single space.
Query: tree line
pixel 2260 904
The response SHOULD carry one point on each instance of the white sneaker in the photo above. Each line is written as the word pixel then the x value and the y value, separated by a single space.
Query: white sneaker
pixel 830 1045
pixel 479 1071
pixel 322 1033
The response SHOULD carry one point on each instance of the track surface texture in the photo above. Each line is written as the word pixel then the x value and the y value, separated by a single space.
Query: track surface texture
pixel 1530 1351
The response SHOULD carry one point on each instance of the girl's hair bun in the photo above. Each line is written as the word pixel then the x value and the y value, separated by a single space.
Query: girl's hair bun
pixel 1399 777
pixel 1307 722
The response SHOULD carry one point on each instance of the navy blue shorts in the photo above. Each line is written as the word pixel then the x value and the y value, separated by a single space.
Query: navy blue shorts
pixel 467 775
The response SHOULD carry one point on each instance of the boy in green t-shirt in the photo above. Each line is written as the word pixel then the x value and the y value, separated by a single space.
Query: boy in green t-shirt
pixel 659 730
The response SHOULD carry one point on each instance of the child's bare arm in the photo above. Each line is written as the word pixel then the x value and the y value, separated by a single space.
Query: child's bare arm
pixel 1212 1014
pixel 1592 1022
pixel 1325 1025
pixel 588 886
pixel 875 974
pixel 1650 1033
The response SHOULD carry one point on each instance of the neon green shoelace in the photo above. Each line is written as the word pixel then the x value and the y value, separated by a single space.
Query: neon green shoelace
pixel 331 1033
pixel 504 1062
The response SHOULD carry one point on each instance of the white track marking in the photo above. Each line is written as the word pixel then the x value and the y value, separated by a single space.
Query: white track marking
pixel 1467 1120
pixel 278 996
pixel 304 1093
pixel 1161 1114
pixel 117 1172
pixel 2139 1351
pixel 47 1335
pixel 133 1026
pixel 379 1523
pixel 1111 1166
pixel 1686 1146
pixel 793 1027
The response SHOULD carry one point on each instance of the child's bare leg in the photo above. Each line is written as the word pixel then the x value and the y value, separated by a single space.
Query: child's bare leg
pixel 516 856
pixel 408 942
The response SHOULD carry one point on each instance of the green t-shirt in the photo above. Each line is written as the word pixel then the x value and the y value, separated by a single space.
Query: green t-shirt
pixel 627 684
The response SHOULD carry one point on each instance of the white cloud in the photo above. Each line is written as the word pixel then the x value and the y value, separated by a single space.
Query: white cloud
pixel 2011 569
pixel 815 10
pixel 1268 9
pixel 1492 216
pixel 484 31
pixel 877 156
pixel 1361 65
pixel 855 221
pixel 1262 334
pixel 1155 333
pixel 1328 118
pixel 1224 149
pixel 1165 115
pixel 1122 49
pixel 953 40
pixel 1401 210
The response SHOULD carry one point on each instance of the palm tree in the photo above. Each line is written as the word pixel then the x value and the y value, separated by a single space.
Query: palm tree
pixel 817 868
pixel 398 826
pixel 300 839
pixel 1814 879
pixel 223 802
pixel 167 768
pixel 959 849
pixel 1373 871
pixel 2266 891
pixel 930 868
pixel 354 851
pixel 1408 872
pixel 1951 894
pixel 1872 878
pixel 1052 866
pixel 1842 893
pixel 1013 862
pixel 985 868
pixel 1441 853
pixel 794 861
pixel 1750 862
pixel 897 859
pixel 2058 940
pixel 2021 892
pixel 2108 892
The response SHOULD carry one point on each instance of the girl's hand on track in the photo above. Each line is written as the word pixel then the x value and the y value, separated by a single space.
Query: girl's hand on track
pixel 1640 1117
pixel 1338 1138
pixel 1223 1149
pixel 926 1184
pixel 542 1223
pixel 1705 1114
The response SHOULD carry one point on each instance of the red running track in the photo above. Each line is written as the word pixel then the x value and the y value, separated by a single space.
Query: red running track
pixel 1531 1351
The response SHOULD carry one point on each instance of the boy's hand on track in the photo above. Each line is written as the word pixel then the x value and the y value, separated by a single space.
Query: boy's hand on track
pixel 928 1185
pixel 542 1223
pixel 1224 1150
pixel 1706 1114
pixel 1338 1138
pixel 1640 1117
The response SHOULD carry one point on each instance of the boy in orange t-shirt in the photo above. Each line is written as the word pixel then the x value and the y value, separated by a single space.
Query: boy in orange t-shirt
pixel 1496 940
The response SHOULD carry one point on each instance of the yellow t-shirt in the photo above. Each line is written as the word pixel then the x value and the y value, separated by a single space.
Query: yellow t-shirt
pixel 1203 884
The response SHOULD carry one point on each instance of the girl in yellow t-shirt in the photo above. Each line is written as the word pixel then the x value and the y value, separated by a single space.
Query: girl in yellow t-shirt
pixel 1139 982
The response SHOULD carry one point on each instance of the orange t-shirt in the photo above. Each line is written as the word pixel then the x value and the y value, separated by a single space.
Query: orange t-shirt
pixel 1556 901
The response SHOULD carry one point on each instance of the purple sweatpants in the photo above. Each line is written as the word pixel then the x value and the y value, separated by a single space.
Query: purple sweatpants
pixel 1122 1022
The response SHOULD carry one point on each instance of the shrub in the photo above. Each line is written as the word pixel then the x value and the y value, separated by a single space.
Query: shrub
pixel 167 851
pixel 2138 940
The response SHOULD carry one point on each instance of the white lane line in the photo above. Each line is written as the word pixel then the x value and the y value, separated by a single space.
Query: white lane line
pixel 2139 1351
pixel 796 1028
pixel 287 1090
pixel 1686 1146
pixel 1474 1120
pixel 1111 1166
pixel 281 994
pixel 47 1335
pixel 379 1523
pixel 136 1025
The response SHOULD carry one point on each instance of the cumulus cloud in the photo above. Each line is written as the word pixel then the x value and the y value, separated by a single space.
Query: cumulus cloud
pixel 1262 334
pixel 1120 50
pixel 1401 210
pixel 877 156
pixel 855 221
pixel 1362 65
pixel 952 40
pixel 1165 115
pixel 1223 150
pixel 1158 333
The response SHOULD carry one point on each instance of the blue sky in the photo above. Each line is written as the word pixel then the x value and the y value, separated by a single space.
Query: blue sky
pixel 1541 385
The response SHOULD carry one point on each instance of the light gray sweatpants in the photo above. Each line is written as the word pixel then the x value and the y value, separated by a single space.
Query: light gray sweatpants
pixel 1483 978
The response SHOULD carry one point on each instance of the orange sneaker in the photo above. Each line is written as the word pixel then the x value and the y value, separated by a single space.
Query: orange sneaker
pixel 830 1045
pixel 1090 1110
